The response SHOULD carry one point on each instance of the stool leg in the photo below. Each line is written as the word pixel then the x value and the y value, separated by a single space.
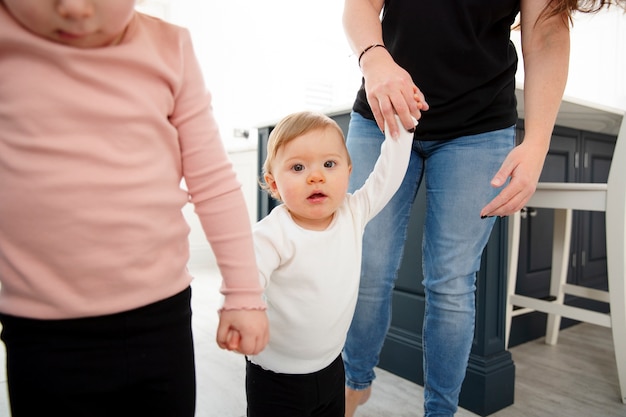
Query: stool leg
pixel 616 249
pixel 513 258
pixel 560 263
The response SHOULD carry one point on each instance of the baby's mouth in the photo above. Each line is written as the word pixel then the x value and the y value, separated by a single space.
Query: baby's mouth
pixel 71 35
pixel 316 196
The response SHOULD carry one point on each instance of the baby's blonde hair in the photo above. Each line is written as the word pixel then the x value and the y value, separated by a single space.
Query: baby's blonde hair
pixel 289 128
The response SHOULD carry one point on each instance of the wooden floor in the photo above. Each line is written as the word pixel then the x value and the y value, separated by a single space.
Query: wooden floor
pixel 576 378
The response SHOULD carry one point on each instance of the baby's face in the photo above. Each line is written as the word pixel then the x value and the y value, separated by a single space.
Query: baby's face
pixel 311 174
pixel 78 23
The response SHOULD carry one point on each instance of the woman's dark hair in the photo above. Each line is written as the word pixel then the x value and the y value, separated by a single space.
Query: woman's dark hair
pixel 566 8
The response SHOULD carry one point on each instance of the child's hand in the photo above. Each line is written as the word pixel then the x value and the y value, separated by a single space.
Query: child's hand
pixel 398 122
pixel 243 331
pixel 233 340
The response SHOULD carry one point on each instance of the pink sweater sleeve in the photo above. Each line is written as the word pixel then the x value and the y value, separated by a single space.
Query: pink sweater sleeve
pixel 215 191
pixel 94 144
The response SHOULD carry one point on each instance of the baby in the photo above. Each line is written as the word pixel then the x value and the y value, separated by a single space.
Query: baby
pixel 308 250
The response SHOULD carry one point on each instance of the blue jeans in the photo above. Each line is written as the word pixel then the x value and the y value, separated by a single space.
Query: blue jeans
pixel 457 177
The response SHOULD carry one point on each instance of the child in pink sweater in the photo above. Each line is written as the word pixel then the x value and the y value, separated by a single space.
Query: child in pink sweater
pixel 103 112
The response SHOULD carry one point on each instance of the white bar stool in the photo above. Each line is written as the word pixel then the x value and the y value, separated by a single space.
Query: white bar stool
pixel 564 198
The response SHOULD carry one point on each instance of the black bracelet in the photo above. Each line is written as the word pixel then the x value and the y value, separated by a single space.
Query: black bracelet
pixel 374 45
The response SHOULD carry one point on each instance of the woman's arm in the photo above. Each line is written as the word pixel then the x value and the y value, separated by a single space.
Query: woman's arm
pixel 390 89
pixel 545 49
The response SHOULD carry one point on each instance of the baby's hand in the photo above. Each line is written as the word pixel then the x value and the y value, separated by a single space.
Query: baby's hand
pixel 243 331
pixel 388 128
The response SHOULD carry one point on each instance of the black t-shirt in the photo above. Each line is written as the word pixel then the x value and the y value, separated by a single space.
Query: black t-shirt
pixel 460 55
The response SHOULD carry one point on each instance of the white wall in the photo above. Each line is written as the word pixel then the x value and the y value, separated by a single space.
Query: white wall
pixel 265 59
pixel 244 159
pixel 598 59
pixel 597 71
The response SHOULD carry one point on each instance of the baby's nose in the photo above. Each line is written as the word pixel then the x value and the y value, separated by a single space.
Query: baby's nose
pixel 75 9
pixel 316 176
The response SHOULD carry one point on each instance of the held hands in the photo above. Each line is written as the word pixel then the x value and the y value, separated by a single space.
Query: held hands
pixel 408 132
pixel 390 91
pixel 243 331
pixel 523 164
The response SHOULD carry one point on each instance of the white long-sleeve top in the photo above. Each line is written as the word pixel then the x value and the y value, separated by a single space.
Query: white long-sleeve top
pixel 311 278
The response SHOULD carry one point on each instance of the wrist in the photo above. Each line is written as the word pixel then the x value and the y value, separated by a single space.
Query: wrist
pixel 369 49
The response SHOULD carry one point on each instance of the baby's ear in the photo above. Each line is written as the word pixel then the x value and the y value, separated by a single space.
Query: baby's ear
pixel 271 186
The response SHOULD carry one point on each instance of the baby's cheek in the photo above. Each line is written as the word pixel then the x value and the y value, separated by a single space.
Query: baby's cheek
pixel 287 192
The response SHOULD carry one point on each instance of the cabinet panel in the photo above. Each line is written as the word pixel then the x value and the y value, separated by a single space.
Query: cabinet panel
pixel 561 161
pixel 590 254
pixel 597 152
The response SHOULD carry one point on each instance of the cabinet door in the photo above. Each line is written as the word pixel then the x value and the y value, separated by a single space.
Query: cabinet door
pixel 589 257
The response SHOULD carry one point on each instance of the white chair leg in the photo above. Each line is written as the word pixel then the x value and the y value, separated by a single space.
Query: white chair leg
pixel 513 258
pixel 560 263
pixel 617 295
pixel 616 262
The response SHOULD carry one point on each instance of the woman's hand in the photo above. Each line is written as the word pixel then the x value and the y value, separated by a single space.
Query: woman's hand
pixel 390 91
pixel 523 165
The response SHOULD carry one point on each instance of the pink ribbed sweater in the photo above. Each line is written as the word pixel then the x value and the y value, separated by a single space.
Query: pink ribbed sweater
pixel 93 146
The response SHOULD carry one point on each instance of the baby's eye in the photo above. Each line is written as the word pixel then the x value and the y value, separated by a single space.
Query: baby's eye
pixel 329 164
pixel 298 167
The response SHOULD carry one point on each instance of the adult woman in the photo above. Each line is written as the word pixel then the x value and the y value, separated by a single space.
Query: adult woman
pixel 457 56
